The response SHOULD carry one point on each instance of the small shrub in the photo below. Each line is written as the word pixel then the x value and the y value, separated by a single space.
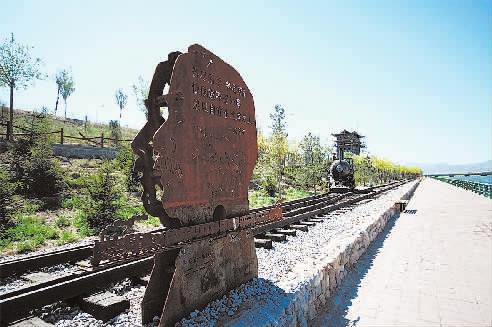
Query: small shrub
pixel 74 202
pixel 115 131
pixel 31 206
pixel 44 176
pixel 124 162
pixel 62 221
pixel 67 237
pixel 101 205
pixel 7 190
pixel 80 222
pixel 270 186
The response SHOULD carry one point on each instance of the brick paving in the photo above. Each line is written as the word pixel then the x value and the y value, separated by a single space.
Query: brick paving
pixel 431 268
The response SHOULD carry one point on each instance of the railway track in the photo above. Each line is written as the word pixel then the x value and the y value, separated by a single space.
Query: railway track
pixel 19 303
pixel 33 262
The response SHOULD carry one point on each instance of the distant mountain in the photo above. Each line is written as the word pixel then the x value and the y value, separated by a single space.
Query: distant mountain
pixel 443 168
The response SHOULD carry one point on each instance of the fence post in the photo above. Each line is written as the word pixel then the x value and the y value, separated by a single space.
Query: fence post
pixel 61 135
pixel 102 140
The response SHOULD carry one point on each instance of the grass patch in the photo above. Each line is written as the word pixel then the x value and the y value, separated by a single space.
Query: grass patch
pixel 67 236
pixel 259 199
pixel 27 234
pixel 74 202
pixel 80 222
pixel 154 221
pixel 294 194
pixel 62 221
pixel 76 183
pixel 126 209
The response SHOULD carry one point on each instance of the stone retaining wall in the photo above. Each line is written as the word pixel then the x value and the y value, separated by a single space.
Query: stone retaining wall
pixel 76 151
pixel 83 152
pixel 297 308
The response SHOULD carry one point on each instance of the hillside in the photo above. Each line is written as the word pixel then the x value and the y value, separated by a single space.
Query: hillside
pixel 25 121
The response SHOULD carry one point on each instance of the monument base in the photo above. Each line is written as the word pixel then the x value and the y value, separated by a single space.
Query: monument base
pixel 189 277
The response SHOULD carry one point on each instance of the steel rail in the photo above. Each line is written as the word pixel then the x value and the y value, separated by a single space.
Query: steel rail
pixel 320 208
pixel 19 266
pixel 16 306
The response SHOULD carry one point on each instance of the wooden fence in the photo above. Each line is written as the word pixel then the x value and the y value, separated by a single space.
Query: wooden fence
pixel 98 141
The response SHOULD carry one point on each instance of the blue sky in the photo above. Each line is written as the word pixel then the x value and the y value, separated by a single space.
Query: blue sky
pixel 413 76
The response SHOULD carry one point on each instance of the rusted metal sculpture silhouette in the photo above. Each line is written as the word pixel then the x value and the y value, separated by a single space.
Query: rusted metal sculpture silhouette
pixel 141 143
pixel 207 148
pixel 202 159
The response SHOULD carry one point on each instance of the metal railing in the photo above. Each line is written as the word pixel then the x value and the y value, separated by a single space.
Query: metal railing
pixel 479 188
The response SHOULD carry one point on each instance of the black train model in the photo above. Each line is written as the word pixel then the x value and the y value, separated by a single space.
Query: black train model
pixel 342 176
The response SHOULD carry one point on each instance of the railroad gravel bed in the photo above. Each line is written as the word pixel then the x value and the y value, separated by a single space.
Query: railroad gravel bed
pixel 279 274
pixel 62 314
pixel 10 284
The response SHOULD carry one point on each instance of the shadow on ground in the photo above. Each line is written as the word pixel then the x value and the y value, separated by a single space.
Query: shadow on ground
pixel 333 313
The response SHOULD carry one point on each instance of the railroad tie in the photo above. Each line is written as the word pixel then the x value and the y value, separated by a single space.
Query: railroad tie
pixel 263 243
pixel 276 237
pixel 303 228
pixel 289 232
pixel 104 306
pixel 315 220
pixel 307 223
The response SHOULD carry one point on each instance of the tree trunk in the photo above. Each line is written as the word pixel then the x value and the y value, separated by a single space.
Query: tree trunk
pixel 57 98
pixel 10 132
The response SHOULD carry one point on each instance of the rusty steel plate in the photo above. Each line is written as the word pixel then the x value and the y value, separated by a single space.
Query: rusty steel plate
pixel 207 149
pixel 188 278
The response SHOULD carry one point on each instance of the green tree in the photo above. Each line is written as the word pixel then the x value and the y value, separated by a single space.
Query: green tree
pixel 17 70
pixel 279 125
pixel 66 90
pixel 31 163
pixel 141 91
pixel 44 176
pixel 124 162
pixel 115 131
pixel 364 173
pixel 103 196
pixel 279 145
pixel 264 174
pixel 120 99
pixel 314 159
pixel 64 82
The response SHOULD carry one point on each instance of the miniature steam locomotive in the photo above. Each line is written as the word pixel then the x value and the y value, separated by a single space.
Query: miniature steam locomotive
pixel 342 176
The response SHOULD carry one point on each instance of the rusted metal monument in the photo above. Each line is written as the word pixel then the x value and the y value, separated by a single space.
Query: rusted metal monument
pixel 201 158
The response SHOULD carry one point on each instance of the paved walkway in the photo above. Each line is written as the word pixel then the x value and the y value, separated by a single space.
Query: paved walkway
pixel 431 268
